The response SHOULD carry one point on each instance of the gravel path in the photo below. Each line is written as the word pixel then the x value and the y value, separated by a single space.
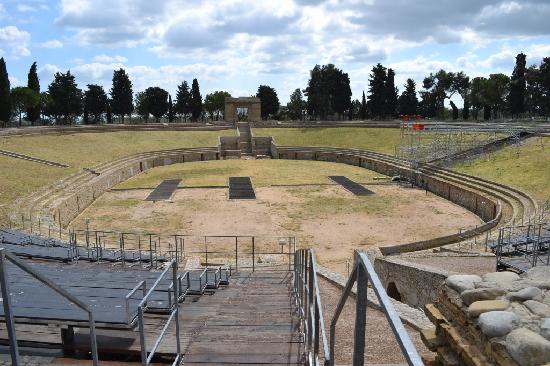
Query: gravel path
pixel 381 346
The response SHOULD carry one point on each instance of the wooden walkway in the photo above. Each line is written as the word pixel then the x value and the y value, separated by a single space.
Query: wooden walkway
pixel 251 321
pixel 255 322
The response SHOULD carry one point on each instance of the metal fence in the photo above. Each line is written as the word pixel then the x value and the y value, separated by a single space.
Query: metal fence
pixel 308 297
pixel 6 257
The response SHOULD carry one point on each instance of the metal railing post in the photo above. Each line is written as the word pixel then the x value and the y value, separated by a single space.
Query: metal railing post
pixel 236 254
pixel 10 324
pixel 253 255
pixel 176 298
pixel 360 318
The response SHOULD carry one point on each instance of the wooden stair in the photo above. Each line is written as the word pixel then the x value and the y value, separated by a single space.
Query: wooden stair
pixel 252 321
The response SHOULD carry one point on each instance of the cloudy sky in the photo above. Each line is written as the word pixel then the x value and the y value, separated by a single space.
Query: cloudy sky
pixel 237 45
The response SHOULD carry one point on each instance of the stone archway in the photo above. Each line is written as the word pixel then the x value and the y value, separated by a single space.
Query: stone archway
pixel 253 105
pixel 393 292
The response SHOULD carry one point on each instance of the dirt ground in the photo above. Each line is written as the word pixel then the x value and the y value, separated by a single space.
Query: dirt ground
pixel 325 217
pixel 381 346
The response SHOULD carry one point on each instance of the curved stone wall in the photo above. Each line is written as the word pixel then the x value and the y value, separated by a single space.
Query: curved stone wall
pixel 62 205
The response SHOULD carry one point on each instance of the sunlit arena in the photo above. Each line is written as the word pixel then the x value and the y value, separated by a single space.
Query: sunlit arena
pixel 194 184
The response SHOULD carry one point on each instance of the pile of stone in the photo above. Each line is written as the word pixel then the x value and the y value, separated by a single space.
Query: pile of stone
pixel 499 318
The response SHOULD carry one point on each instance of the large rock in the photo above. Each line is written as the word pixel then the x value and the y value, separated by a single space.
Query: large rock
pixel 538 308
pixel 480 307
pixel 528 348
pixel 541 273
pixel 497 323
pixel 462 282
pixel 545 328
pixel 470 296
pixel 500 277
pixel 528 293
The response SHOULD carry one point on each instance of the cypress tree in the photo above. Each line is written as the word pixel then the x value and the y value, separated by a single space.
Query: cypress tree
pixel 66 98
pixel 5 102
pixel 363 109
pixel 517 86
pixel 408 101
pixel 183 100
pixel 33 83
pixel 391 94
pixel 196 101
pixel 170 109
pixel 121 94
pixel 377 91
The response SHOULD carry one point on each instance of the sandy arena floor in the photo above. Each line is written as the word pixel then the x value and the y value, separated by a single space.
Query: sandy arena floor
pixel 327 217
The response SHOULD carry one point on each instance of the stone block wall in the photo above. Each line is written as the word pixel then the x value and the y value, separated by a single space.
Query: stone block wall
pixel 69 206
pixel 416 284
pixel 462 194
pixel 497 319
pixel 261 145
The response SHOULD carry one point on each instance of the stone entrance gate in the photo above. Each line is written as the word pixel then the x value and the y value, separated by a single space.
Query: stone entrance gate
pixel 251 103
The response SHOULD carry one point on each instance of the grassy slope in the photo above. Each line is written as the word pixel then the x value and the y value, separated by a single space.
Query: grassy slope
pixel 377 139
pixel 20 177
pixel 263 172
pixel 527 168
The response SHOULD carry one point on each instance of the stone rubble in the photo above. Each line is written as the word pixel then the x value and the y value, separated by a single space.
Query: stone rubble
pixel 499 318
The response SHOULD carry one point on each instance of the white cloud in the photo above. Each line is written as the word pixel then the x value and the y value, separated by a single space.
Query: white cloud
pixel 26 8
pixel 54 43
pixel 109 59
pixel 15 40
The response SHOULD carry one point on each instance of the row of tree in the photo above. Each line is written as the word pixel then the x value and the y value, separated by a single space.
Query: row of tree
pixel 328 95
pixel 64 103
pixel 525 94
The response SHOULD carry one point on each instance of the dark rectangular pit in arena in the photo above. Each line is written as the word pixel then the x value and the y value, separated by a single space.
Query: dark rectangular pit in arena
pixel 350 185
pixel 164 190
pixel 240 188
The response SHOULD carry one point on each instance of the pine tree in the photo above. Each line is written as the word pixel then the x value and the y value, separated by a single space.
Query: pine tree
pixel 328 91
pixel 33 113
pixel 196 101
pixel 517 87
pixel 121 94
pixel 391 94
pixel 23 98
pixel 270 101
pixel 363 109
pixel 95 103
pixel 5 102
pixel 157 101
pixel 377 91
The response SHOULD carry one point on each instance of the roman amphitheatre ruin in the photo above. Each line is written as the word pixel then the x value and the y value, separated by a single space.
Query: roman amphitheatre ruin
pixel 257 243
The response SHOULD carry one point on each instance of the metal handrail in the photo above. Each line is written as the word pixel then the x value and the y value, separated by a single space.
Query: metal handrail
pixel 363 273
pixel 308 298
pixel 147 357
pixel 10 324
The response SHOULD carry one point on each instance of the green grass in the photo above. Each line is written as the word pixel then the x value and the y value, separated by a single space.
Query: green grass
pixel 20 178
pixel 526 167
pixel 377 139
pixel 89 149
pixel 263 173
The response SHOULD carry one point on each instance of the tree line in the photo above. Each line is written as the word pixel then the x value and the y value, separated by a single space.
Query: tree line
pixel 64 103
pixel 526 93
